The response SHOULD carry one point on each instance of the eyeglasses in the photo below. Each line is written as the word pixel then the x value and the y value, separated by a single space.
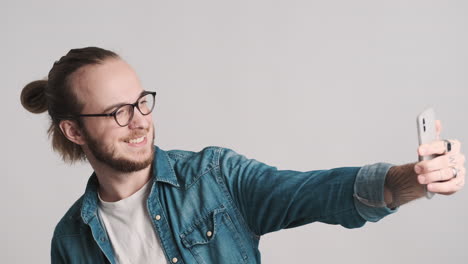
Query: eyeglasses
pixel 123 115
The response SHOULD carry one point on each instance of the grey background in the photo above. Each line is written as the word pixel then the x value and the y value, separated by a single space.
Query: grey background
pixel 297 84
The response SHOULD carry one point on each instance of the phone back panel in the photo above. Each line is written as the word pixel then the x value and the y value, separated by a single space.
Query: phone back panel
pixel 426 130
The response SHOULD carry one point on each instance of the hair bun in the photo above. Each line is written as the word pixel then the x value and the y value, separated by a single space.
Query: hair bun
pixel 33 97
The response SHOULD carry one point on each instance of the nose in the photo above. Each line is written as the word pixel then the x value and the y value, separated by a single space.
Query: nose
pixel 139 120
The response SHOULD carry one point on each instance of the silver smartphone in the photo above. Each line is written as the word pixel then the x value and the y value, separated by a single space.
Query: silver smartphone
pixel 426 134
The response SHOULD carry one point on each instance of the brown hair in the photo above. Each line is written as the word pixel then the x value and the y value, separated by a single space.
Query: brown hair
pixel 56 95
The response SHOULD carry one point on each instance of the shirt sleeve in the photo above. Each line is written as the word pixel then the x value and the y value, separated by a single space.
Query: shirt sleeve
pixel 369 192
pixel 270 199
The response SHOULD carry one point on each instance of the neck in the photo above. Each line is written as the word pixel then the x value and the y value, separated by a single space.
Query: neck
pixel 115 185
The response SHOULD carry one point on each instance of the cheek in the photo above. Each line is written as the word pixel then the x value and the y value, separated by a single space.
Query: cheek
pixel 108 134
pixel 100 125
pixel 149 118
pixel 115 137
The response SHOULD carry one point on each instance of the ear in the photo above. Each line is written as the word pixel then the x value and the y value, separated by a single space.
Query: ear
pixel 72 131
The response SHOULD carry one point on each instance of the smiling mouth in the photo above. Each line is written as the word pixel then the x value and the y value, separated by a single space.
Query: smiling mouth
pixel 136 140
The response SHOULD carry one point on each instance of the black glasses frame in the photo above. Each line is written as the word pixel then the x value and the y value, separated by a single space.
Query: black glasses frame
pixel 134 105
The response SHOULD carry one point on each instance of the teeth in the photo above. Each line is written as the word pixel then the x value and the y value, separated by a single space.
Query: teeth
pixel 137 140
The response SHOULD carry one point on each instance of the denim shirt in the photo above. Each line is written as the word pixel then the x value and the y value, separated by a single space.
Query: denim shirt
pixel 214 205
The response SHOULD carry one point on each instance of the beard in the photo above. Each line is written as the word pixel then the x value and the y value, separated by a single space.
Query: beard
pixel 108 155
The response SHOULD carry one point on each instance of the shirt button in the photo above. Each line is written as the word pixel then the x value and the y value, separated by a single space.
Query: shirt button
pixel 209 234
pixel 157 217
pixel 174 260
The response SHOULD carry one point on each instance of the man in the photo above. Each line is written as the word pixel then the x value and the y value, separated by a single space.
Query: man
pixel 143 204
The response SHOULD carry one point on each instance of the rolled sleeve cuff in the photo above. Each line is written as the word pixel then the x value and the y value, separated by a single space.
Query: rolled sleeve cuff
pixel 369 192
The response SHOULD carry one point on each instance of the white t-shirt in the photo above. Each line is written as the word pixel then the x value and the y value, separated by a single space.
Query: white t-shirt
pixel 130 229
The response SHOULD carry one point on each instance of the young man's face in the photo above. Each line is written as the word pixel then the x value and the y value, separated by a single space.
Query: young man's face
pixel 128 148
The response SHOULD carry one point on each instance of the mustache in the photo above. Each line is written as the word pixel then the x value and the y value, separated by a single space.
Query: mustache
pixel 137 134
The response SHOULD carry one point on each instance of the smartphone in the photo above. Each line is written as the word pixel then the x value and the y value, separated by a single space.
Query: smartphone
pixel 426 134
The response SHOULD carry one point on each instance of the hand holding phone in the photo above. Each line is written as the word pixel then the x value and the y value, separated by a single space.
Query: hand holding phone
pixel 426 134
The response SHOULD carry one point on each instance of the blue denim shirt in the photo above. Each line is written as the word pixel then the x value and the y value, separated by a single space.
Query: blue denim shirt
pixel 235 198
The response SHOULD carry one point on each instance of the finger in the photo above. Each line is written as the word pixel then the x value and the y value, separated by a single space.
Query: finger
pixel 439 175
pixel 440 162
pixel 438 126
pixel 438 147
pixel 448 187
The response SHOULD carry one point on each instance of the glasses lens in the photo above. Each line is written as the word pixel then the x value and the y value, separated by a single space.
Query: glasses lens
pixel 123 114
pixel 146 104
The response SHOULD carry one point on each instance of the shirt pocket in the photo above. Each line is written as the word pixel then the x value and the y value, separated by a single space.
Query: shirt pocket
pixel 214 239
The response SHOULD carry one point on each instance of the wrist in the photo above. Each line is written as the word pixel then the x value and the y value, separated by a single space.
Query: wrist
pixel 401 186
pixel 388 196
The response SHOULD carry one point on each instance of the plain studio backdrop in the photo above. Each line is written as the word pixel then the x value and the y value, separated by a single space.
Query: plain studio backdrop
pixel 297 84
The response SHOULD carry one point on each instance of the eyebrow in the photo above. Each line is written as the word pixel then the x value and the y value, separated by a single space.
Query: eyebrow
pixel 119 104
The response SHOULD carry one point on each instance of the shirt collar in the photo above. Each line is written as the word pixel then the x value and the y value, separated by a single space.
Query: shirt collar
pixel 163 171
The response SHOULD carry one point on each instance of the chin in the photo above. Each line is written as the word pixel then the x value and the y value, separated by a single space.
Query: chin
pixel 132 163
